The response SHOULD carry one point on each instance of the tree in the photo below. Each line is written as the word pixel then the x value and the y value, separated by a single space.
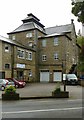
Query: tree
pixel 80 41
pixel 78 10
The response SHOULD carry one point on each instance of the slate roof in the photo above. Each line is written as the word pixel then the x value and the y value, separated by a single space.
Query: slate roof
pixel 7 40
pixel 28 26
pixel 59 29
pixel 29 23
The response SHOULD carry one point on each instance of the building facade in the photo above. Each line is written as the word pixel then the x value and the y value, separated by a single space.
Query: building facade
pixel 43 54
pixel 16 60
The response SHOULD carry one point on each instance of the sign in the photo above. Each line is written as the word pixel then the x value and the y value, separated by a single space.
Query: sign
pixel 20 65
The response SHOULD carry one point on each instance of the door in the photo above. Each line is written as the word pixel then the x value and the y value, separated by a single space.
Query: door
pixel 44 76
pixel 58 76
pixel 20 74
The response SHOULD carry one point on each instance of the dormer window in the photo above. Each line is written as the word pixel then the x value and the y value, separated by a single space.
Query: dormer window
pixel 29 35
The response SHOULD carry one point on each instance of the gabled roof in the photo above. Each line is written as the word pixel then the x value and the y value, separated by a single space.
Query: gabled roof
pixel 59 29
pixel 7 40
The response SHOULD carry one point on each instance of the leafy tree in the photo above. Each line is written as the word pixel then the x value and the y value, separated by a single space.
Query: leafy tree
pixel 78 10
pixel 80 41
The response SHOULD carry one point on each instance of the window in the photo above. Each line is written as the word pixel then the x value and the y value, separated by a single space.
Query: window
pixel 55 41
pixel 30 73
pixel 56 56
pixel 21 54
pixel 43 43
pixel 30 44
pixel 43 57
pixel 28 35
pixel 28 55
pixel 7 66
pixel 13 37
pixel 7 48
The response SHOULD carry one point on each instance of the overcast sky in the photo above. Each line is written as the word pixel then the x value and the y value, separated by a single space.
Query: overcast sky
pixel 50 13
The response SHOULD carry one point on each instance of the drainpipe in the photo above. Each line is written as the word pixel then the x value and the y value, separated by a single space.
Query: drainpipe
pixel 12 62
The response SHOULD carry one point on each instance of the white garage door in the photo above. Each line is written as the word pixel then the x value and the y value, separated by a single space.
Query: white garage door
pixel 44 76
pixel 57 76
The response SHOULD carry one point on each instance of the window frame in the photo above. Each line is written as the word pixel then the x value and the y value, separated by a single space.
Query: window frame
pixel 21 53
pixel 56 56
pixel 56 41
pixel 7 50
pixel 44 43
pixel 28 55
pixel 44 57
pixel 29 35
pixel 13 37
pixel 9 66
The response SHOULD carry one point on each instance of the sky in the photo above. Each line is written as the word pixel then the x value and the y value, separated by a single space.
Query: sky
pixel 50 13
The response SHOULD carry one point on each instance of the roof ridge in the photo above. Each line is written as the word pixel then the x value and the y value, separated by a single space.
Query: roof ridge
pixel 58 26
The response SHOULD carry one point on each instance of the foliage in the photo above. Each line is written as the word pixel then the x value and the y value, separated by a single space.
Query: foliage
pixel 57 88
pixel 78 10
pixel 10 90
pixel 80 41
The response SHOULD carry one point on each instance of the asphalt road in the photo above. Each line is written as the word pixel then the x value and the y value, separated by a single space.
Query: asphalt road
pixel 43 108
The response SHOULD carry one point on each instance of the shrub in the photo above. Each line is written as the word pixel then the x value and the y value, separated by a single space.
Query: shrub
pixel 57 89
pixel 10 90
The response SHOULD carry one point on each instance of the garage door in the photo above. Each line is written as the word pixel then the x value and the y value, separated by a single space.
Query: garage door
pixel 57 76
pixel 44 76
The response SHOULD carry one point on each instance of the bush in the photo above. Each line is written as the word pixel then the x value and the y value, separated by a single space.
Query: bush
pixel 57 89
pixel 10 90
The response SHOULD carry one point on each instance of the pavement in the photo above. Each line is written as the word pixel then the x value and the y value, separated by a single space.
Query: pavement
pixel 44 90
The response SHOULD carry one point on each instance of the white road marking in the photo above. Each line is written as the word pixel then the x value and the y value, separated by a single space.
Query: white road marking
pixel 44 110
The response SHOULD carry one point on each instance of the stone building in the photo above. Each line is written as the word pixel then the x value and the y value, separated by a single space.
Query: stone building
pixel 54 50
pixel 16 60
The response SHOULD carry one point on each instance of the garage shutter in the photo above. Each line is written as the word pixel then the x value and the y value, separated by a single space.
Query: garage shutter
pixel 57 76
pixel 44 76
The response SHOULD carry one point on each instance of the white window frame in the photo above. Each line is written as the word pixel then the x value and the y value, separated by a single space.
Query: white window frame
pixel 56 41
pixel 21 53
pixel 56 56
pixel 44 57
pixel 28 55
pixel 44 43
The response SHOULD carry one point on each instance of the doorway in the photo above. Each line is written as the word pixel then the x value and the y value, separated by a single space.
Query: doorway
pixel 20 74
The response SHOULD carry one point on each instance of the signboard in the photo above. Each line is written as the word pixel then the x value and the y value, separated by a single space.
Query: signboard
pixel 20 65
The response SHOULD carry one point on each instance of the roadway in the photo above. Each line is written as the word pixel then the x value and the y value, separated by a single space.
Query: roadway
pixel 43 108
